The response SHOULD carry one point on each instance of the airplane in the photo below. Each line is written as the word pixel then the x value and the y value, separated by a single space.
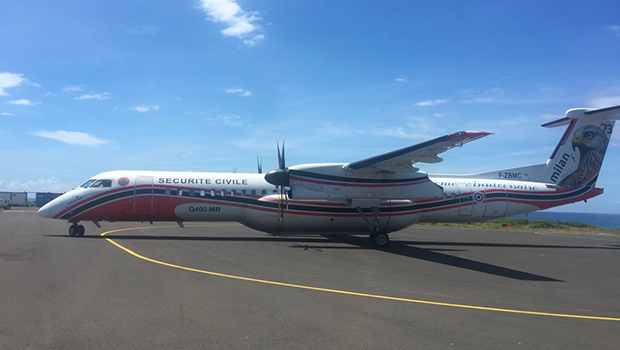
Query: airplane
pixel 374 196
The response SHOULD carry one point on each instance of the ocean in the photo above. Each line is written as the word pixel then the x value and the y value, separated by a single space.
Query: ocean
pixel 598 220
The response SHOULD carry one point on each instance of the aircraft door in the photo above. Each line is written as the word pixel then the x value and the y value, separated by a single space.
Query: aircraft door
pixel 465 203
pixel 143 195
pixel 496 203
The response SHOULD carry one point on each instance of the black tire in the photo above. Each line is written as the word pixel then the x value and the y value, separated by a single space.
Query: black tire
pixel 72 230
pixel 379 240
pixel 80 230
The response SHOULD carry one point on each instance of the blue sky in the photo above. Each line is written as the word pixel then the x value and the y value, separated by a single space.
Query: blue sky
pixel 87 86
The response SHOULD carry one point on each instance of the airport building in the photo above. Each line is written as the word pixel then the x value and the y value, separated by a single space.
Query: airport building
pixel 42 198
pixel 21 199
pixel 18 199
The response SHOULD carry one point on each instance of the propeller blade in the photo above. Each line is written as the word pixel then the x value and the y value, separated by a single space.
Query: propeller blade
pixel 259 163
pixel 279 155
pixel 283 165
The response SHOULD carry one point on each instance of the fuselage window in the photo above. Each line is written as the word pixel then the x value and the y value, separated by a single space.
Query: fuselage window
pixel 87 183
pixel 244 193
pixel 223 193
pixel 102 183
pixel 191 193
pixel 202 193
pixel 263 192
pixel 233 192
pixel 253 192
pixel 212 193
pixel 167 192
pixel 180 192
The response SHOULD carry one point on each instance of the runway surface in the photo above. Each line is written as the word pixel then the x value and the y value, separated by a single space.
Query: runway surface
pixel 223 285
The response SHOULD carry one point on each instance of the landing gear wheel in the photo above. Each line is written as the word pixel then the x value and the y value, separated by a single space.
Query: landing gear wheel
pixel 379 239
pixel 73 229
pixel 80 230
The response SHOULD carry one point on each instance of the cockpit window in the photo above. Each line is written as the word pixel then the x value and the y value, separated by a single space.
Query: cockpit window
pixel 102 183
pixel 87 183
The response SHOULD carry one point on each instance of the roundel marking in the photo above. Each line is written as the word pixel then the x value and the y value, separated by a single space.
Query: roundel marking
pixel 478 197
pixel 123 181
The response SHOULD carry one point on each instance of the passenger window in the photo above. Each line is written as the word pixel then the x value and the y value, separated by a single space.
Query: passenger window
pixel 223 193
pixel 180 192
pixel 167 192
pixel 202 193
pixel 212 193
pixel 244 193
pixel 253 192
pixel 191 193
pixel 263 192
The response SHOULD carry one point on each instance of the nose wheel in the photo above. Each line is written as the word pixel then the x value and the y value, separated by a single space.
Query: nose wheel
pixel 76 230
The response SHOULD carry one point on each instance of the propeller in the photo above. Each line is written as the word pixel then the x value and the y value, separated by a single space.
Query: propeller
pixel 280 178
pixel 259 163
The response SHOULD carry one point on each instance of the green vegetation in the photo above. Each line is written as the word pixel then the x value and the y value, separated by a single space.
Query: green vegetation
pixel 534 225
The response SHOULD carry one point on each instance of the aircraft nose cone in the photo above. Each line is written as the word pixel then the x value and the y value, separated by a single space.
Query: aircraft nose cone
pixel 46 211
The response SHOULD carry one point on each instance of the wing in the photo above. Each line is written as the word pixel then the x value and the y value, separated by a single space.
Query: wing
pixel 402 160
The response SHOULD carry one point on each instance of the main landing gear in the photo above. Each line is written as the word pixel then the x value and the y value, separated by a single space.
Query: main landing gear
pixel 378 238
pixel 76 230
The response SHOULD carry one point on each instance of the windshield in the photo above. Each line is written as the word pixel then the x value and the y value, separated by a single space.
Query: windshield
pixel 87 183
pixel 102 183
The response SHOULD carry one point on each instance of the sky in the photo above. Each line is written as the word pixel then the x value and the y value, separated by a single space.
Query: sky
pixel 210 85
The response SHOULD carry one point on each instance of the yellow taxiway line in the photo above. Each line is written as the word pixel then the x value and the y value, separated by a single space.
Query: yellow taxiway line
pixel 343 292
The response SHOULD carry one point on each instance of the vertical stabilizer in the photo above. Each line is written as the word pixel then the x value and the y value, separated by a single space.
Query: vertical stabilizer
pixel 577 159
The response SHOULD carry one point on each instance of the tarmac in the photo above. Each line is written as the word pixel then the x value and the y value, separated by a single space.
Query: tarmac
pixel 222 285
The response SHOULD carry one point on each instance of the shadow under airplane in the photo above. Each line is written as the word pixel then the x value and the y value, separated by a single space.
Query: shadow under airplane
pixel 409 249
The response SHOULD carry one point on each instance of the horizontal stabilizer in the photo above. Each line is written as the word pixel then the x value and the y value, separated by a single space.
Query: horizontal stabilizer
pixel 555 123
pixel 611 113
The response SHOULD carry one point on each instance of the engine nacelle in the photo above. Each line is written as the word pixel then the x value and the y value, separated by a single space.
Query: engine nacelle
pixel 333 181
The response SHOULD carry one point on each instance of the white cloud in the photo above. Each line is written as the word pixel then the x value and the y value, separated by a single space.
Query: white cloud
pixel 401 80
pixel 257 39
pixel 144 108
pixel 477 96
pixel 73 88
pixel 23 102
pixel 416 128
pixel 604 101
pixel 6 114
pixel 227 120
pixel 94 96
pixel 240 23
pixel 614 29
pixel 240 92
pixel 72 137
pixel 9 80
pixel 428 103
pixel 40 185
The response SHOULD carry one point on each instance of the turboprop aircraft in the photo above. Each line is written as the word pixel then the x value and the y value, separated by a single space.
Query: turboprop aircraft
pixel 374 196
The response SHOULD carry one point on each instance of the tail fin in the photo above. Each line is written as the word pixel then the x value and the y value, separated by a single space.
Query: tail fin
pixel 577 159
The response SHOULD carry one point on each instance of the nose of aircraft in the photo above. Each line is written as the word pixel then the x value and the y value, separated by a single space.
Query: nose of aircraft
pixel 46 211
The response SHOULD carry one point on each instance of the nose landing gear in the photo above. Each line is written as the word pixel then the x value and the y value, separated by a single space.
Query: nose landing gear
pixel 76 230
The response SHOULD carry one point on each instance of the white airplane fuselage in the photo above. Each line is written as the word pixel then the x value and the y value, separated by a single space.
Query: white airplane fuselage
pixel 250 200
